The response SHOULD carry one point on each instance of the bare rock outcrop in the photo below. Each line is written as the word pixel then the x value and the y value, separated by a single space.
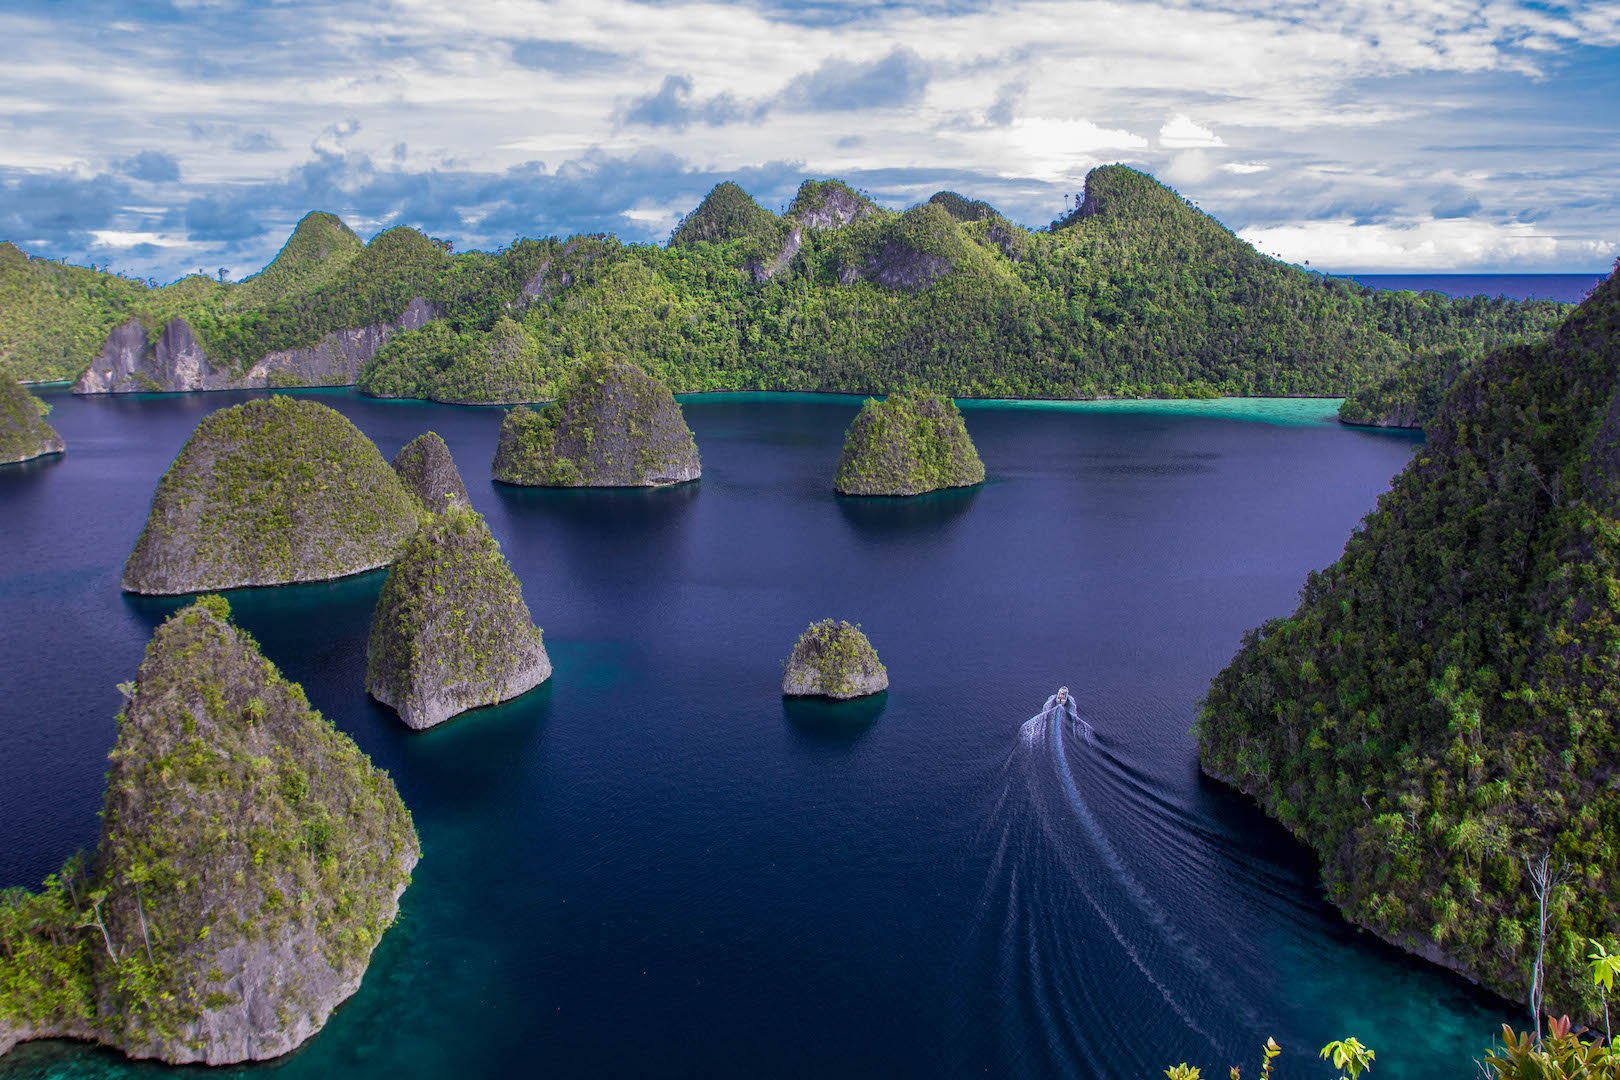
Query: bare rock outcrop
pixel 430 473
pixel 177 361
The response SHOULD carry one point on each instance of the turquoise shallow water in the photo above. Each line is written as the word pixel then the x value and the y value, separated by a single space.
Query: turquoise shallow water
pixel 656 866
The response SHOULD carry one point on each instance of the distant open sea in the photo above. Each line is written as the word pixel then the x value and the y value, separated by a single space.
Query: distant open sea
pixel 1570 288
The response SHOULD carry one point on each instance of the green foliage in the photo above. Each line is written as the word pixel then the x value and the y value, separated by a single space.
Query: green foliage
pixel 612 425
pixel 24 433
pixel 45 974
pixel 270 491
pixel 451 630
pixel 1441 707
pixel 1349 1055
pixel 909 443
pixel 962 208
pixel 1560 1056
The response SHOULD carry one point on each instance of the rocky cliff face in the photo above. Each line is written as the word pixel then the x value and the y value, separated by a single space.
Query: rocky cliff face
pixel 612 425
pixel 270 492
pixel 1402 415
pixel 834 660
pixel 177 360
pixel 430 473
pixel 451 631
pixel 908 444
pixel 819 204
pixel 24 434
pixel 250 859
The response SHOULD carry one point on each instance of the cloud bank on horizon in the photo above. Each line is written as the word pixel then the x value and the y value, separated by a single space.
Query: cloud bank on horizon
pixel 1380 136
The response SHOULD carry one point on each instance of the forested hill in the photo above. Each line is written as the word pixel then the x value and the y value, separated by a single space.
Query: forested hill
pixel 1444 703
pixel 1135 294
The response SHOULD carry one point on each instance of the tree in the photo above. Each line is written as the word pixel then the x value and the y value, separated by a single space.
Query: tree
pixel 1546 879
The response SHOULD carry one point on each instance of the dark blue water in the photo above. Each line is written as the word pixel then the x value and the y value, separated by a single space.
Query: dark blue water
pixel 654 866
pixel 1567 288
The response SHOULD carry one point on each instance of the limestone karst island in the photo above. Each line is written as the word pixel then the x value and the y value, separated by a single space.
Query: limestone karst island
pixel 786 538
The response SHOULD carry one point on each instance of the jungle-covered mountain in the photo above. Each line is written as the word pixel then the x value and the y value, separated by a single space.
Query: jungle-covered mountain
pixel 1135 293
pixel 1440 713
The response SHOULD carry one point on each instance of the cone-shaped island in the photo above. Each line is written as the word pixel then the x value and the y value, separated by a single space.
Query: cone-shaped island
pixel 451 631
pixel 430 473
pixel 910 443
pixel 250 859
pixel 833 659
pixel 269 492
pixel 24 434
pixel 612 425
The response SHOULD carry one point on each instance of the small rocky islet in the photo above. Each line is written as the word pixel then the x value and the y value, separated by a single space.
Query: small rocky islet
pixel 270 492
pixel 451 631
pixel 612 425
pixel 834 659
pixel 24 434
pixel 250 859
pixel 909 443
pixel 430 473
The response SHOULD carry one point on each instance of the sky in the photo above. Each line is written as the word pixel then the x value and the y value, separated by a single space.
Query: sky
pixel 169 136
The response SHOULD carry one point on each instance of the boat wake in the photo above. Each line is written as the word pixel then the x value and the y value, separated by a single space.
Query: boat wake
pixel 1082 953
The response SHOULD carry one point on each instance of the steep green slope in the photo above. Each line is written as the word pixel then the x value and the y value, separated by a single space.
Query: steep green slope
pixel 54 317
pixel 963 208
pixel 316 253
pixel 726 215
pixel 1443 704
pixel 272 491
pixel 250 859
pixel 1411 397
pixel 24 434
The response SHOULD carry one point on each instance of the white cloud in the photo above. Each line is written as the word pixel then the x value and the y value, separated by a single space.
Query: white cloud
pixel 1181 132
pixel 1433 244
pixel 1339 108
